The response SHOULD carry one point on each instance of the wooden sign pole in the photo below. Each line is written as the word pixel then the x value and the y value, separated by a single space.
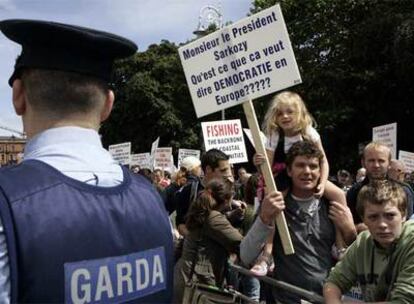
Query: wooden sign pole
pixel 267 174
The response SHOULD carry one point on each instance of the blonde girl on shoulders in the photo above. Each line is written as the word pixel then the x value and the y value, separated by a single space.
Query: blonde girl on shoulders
pixel 288 121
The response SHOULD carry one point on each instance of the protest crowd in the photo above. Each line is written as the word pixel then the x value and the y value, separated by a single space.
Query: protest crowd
pixel 79 227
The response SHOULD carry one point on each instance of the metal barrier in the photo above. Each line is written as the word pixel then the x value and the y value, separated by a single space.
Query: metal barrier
pixel 309 295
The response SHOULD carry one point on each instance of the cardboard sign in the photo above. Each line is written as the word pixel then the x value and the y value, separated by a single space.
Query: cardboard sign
pixel 173 168
pixel 250 136
pixel 227 136
pixel 407 158
pixel 183 153
pixel 121 152
pixel 387 134
pixel 162 158
pixel 143 160
pixel 248 59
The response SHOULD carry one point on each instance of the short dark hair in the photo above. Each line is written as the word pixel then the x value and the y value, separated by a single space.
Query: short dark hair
pixel 61 92
pixel 303 148
pixel 211 158
pixel 380 192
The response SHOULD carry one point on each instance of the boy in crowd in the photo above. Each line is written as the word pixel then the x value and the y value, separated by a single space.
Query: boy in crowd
pixel 381 260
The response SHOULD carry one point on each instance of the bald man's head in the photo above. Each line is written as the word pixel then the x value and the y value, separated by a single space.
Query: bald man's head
pixel 397 170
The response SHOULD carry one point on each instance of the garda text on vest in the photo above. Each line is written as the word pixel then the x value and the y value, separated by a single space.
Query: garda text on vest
pixel 116 279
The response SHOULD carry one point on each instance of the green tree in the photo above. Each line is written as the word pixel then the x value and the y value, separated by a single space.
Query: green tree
pixel 152 99
pixel 356 62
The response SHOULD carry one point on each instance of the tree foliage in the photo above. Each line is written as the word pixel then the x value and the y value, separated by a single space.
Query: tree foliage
pixel 356 62
pixel 152 99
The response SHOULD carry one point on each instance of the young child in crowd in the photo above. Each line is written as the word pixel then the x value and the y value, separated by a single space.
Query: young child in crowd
pixel 288 121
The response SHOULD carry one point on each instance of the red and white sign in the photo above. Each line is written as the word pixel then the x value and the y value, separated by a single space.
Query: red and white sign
pixel 227 136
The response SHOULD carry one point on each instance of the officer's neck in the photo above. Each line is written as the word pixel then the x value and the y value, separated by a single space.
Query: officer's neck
pixel 37 124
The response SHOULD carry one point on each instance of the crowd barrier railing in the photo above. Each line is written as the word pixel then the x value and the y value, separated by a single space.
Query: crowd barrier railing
pixel 303 293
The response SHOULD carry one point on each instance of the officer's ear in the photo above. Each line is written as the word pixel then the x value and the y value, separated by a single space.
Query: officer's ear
pixel 19 97
pixel 107 108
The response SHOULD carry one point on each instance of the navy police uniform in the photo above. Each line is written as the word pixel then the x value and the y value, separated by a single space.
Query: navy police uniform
pixel 68 241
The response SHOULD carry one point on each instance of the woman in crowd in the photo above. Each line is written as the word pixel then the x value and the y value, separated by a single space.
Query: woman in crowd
pixel 210 240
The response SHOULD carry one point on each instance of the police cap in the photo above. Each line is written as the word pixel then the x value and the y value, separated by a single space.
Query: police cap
pixel 57 46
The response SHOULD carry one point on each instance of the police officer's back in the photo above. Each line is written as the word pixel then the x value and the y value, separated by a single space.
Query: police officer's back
pixel 77 227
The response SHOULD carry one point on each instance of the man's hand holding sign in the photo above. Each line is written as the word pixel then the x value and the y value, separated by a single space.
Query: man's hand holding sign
pixel 246 60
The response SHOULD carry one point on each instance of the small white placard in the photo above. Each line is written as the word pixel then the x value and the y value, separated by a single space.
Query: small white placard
pixel 407 158
pixel 183 153
pixel 143 160
pixel 250 136
pixel 387 134
pixel 227 136
pixel 162 158
pixel 121 152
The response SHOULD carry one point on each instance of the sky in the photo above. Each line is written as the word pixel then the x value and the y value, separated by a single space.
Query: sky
pixel 143 21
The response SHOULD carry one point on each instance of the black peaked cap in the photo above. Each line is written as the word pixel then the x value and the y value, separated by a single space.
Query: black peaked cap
pixel 56 46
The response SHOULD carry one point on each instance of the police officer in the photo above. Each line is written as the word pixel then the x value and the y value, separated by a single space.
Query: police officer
pixel 75 226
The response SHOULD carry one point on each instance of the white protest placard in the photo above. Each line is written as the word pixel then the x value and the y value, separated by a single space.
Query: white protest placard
pixel 226 136
pixel 153 147
pixel 162 158
pixel 173 168
pixel 183 153
pixel 250 136
pixel 387 134
pixel 121 152
pixel 407 158
pixel 143 160
pixel 248 59
pixel 245 60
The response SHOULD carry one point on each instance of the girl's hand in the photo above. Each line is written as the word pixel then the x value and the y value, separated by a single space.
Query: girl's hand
pixel 341 216
pixel 258 159
pixel 320 190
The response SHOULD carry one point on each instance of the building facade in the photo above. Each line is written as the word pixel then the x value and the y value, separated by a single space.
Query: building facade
pixel 11 149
